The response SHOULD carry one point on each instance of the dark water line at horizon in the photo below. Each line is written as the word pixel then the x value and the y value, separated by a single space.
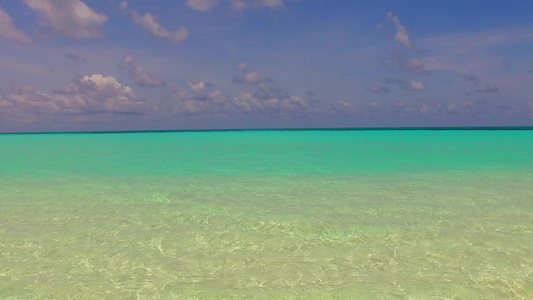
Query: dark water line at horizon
pixel 459 128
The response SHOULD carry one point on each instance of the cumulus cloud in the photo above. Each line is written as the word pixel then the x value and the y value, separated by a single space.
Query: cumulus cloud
pixel 201 5
pixel 242 66
pixel 401 36
pixel 412 85
pixel 190 106
pixel 417 85
pixel 453 108
pixel 376 88
pixel 87 95
pixel 72 18
pixel 3 102
pixel 398 108
pixel 413 65
pixel 9 31
pixel 403 59
pixel 424 109
pixel 488 89
pixel 250 4
pixel 140 76
pixel 248 102
pixel 199 88
pixel 198 99
pixel 251 77
pixel 102 93
pixel 267 100
pixel 24 100
pixel 247 75
pixel 396 60
pixel 239 5
pixel 151 24
pixel 123 5
pixel 346 108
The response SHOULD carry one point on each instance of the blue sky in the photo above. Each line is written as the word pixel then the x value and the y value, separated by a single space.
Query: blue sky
pixel 198 64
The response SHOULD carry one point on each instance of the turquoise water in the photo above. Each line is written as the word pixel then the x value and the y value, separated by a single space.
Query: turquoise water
pixel 267 215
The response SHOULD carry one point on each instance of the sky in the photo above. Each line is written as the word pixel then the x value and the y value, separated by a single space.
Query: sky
pixel 73 65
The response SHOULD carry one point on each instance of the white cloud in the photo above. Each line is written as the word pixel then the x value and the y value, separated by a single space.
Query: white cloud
pixel 239 4
pixel 242 66
pixel 201 5
pixel 151 24
pixel 401 35
pixel 398 60
pixel 251 77
pixel 140 76
pixel 346 108
pixel 25 100
pixel 423 109
pixel 71 18
pixel 88 95
pixel 247 102
pixel 270 100
pixel 5 104
pixel 198 87
pixel 413 65
pixel 247 76
pixel 250 4
pixel 198 100
pixel 9 31
pixel 191 107
pixel 103 93
pixel 123 5
pixel 270 3
pixel 417 85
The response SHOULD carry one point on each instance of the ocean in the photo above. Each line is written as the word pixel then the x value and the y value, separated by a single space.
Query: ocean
pixel 267 214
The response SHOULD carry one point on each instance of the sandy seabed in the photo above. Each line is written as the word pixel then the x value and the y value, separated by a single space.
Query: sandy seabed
pixel 443 235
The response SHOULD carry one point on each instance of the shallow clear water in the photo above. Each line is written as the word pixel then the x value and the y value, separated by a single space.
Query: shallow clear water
pixel 267 215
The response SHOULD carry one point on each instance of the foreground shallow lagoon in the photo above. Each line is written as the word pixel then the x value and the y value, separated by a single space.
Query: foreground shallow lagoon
pixel 267 215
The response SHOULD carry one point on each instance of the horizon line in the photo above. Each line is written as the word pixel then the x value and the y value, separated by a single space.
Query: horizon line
pixel 425 128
